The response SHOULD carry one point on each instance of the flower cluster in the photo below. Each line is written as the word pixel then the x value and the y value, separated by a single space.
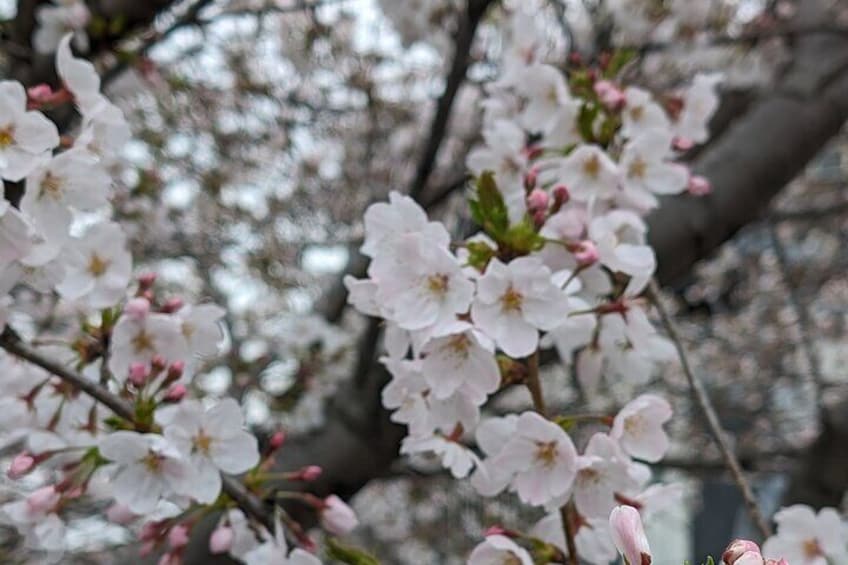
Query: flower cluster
pixel 139 439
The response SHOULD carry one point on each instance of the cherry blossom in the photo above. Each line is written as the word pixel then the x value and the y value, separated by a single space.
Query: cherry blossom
pixel 646 170
pixel 212 440
pixel 588 173
pixel 542 459
pixel 337 517
pixel 25 137
pixel 496 550
pixel 149 467
pixel 461 361
pixel 54 21
pixel 641 113
pixel 806 538
pixel 638 427
pixel 97 266
pixel 514 301
pixel 275 551
pixel 593 540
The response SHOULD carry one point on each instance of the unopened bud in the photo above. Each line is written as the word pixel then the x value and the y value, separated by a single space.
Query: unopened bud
pixel 176 370
pixel 146 281
pixel 221 540
pixel 139 372
pixel 158 363
pixel 172 305
pixel 561 197
pixel 310 473
pixel 42 500
pixel 575 58
pixel 699 186
pixel 496 531
pixel 178 536
pixel 538 200
pixel 737 548
pixel 277 439
pixel 176 392
pixel 40 94
pixel 530 179
pixel 22 464
pixel 682 143
pixel 137 308
pixel 337 517
pixel 610 95
pixel 586 253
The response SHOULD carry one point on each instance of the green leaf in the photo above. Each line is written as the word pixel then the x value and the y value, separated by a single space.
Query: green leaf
pixel 522 238
pixel 479 254
pixel 349 554
pixel 618 60
pixel 489 210
pixel 586 120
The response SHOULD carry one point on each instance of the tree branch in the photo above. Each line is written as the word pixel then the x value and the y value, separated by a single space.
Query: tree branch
pixel 13 344
pixel 713 423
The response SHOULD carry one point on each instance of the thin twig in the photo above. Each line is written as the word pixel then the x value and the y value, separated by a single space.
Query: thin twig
pixel 713 422
pixel 11 342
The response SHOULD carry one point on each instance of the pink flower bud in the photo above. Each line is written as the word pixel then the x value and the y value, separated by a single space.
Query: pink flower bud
pixel 138 374
pixel 749 558
pixel 682 143
pixel 610 95
pixel 628 534
pixel 120 514
pixel 496 531
pixel 172 305
pixel 561 196
pixel 539 217
pixel 310 473
pixel 175 371
pixel 277 439
pixel 221 539
pixel 178 536
pixel 22 464
pixel 337 517
pixel 537 200
pixel 43 500
pixel 146 280
pixel 149 531
pixel 531 178
pixel 170 559
pixel 776 562
pixel 176 392
pixel 586 253
pixel 737 548
pixel 40 94
pixel 137 308
pixel 158 363
pixel 699 186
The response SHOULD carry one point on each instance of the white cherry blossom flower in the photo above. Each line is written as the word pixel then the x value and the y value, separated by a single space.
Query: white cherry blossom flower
pixel 587 172
pixel 464 361
pixel 201 327
pixel 620 239
pixel 638 427
pixel 542 459
pixel 546 92
pixel 455 457
pixel 641 113
pixel 503 155
pixel 72 180
pixel 138 340
pixel 514 301
pixel 700 101
pixel 97 266
pixel 604 471
pixel 15 234
pixel 35 517
pixel 275 551
pixel 212 440
pixel 421 283
pixel 55 21
pixel 385 222
pixel 26 138
pixel 492 435
pixel 806 538
pixel 149 468
pixel 499 550
pixel 646 171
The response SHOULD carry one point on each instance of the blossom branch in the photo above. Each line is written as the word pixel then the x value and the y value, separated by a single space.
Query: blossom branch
pixel 713 422
pixel 12 343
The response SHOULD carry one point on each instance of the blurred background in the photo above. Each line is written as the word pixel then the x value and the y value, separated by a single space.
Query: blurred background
pixel 263 129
